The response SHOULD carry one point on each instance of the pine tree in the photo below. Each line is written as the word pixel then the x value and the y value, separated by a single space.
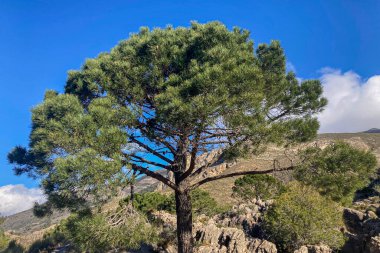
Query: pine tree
pixel 159 100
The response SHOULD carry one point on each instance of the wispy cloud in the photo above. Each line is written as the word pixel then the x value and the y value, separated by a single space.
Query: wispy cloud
pixel 17 198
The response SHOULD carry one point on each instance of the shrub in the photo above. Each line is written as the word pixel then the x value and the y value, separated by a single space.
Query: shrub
pixel 13 247
pixel 103 232
pixel 153 201
pixel 257 186
pixel 337 171
pixel 301 216
pixel 202 202
pixel 49 241
pixel 4 240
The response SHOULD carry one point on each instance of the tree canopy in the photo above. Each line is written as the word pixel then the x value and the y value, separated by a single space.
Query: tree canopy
pixel 159 100
pixel 337 171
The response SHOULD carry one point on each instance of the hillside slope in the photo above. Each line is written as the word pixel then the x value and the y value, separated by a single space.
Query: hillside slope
pixel 25 223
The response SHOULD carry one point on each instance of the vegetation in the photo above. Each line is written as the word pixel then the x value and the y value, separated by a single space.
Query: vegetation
pixel 96 234
pixel 123 229
pixel 257 186
pixel 4 240
pixel 13 247
pixel 203 203
pixel 301 216
pixel 337 171
pixel 157 99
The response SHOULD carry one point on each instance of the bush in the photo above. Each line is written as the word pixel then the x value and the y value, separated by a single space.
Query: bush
pixel 202 203
pixel 13 247
pixel 49 241
pixel 301 216
pixel 103 232
pixel 257 186
pixel 154 201
pixel 337 171
pixel 4 240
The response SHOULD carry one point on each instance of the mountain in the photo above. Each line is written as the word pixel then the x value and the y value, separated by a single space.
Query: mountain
pixel 372 130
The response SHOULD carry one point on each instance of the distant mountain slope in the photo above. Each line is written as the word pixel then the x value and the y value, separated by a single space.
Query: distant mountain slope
pixel 372 130
pixel 25 222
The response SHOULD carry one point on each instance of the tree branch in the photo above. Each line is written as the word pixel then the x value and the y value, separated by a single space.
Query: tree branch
pixel 142 160
pixel 155 176
pixel 146 147
pixel 239 173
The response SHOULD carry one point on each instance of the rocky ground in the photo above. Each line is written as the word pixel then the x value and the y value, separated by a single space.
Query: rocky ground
pixel 235 231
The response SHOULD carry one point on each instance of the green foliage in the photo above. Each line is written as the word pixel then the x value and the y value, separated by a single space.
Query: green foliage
pixel 202 202
pixel 4 240
pixel 153 201
pixel 49 242
pixel 337 171
pixel 164 86
pixel 257 186
pixel 301 216
pixel 100 233
pixel 13 247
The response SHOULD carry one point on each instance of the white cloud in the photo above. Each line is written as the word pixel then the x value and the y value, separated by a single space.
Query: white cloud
pixel 17 198
pixel 354 103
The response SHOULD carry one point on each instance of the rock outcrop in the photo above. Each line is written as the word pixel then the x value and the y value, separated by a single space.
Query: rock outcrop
pixel 213 239
pixel 314 249
pixel 232 232
pixel 363 231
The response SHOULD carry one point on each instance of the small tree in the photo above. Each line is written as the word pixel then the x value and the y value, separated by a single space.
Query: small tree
pixel 300 216
pixel 159 100
pixel 337 171
pixel 257 186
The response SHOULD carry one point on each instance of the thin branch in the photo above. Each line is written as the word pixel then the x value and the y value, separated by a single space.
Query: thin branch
pixel 151 150
pixel 155 175
pixel 155 137
pixel 142 160
pixel 239 173
pixel 201 169
pixel 193 156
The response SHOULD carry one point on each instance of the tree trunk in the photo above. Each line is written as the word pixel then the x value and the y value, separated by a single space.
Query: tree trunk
pixel 132 192
pixel 184 222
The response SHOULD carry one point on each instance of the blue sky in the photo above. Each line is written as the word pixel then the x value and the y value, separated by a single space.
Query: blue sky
pixel 42 39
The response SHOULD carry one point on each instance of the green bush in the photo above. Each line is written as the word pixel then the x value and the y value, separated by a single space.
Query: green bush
pixel 257 186
pixel 202 203
pixel 13 247
pixel 97 233
pixel 4 240
pixel 153 201
pixel 301 216
pixel 337 171
pixel 49 241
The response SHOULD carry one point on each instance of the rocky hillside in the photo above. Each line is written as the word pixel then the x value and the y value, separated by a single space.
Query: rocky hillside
pixel 25 227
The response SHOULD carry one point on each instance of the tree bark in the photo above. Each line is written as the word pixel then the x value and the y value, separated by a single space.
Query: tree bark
pixel 132 192
pixel 184 222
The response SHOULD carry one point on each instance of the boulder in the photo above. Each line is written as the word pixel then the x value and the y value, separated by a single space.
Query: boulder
pixel 314 249
pixel 353 220
pixel 374 245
